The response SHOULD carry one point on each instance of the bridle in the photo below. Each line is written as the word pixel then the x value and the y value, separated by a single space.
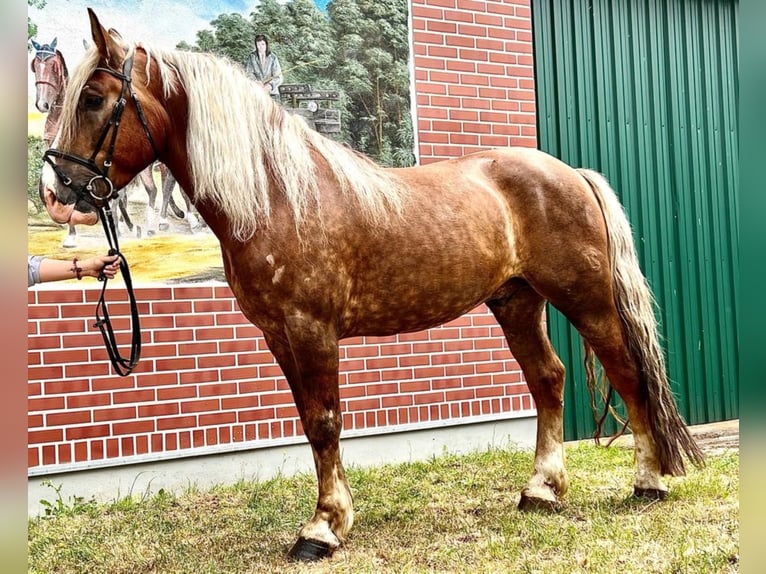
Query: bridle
pixel 88 191
pixel 100 201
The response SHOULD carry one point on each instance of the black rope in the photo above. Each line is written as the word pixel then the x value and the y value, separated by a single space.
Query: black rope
pixel 123 366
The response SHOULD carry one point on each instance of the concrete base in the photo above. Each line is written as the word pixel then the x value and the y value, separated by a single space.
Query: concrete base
pixel 145 479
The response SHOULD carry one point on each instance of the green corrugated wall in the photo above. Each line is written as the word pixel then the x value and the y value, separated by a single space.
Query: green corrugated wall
pixel 646 92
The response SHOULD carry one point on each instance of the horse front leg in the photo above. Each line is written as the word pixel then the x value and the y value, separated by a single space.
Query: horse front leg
pixel 71 237
pixel 308 355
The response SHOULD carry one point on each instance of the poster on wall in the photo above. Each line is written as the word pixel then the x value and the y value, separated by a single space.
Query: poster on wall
pixel 343 66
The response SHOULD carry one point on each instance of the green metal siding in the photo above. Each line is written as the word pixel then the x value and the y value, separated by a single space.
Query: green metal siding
pixel 646 92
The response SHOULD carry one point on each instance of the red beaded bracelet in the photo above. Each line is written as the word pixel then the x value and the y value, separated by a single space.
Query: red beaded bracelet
pixel 77 270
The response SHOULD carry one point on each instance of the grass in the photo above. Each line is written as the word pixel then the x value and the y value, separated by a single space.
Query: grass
pixel 451 514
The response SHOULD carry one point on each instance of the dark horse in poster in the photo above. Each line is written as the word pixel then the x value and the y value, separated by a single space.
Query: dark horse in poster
pixel 320 244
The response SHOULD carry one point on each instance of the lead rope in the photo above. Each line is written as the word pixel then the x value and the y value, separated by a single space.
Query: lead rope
pixel 122 365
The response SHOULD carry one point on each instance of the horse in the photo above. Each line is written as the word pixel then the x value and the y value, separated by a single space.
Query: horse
pixel 51 77
pixel 319 243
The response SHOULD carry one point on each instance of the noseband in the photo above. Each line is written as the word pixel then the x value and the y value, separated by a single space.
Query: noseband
pixel 100 201
pixel 88 192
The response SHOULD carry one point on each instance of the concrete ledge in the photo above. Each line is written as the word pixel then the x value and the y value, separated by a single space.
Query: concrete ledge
pixel 109 484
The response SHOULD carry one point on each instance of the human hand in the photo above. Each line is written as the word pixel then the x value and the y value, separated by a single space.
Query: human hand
pixel 109 264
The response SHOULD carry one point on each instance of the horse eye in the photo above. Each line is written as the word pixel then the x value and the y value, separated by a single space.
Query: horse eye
pixel 92 102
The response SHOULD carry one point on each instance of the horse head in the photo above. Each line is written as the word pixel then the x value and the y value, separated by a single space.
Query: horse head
pixel 51 74
pixel 109 130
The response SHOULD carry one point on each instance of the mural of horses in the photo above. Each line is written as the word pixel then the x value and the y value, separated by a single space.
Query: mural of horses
pixel 51 76
pixel 320 244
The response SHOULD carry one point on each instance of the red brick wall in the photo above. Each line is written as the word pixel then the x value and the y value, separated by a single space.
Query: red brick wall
pixel 474 80
pixel 206 378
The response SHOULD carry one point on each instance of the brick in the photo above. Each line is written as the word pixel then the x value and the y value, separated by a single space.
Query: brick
pixel 176 423
pixel 37 312
pixel 178 364
pixel 348 391
pixel 216 361
pixel 459 16
pixel 88 400
pixel 459 370
pixel 47 342
pixel 215 419
pixel 139 396
pixel 49 455
pixel 84 432
pixel 67 418
pixel 195 320
pixel 176 393
pixel 157 379
pixel 270 399
pixel 443 3
pixel 397 374
pixel 204 405
pixel 240 373
pixel 45 404
pixel 45 436
pixel 255 415
pixel 472 5
pixel 420 37
pixel 158 410
pixel 490 20
pixel 443 53
pixel 440 26
pixel 87 370
pixel 427 13
pixel 59 297
pixel 173 335
pixel 133 428
pixel 64 453
pixel 112 383
pixel 214 333
pixel 44 373
pixel 463 41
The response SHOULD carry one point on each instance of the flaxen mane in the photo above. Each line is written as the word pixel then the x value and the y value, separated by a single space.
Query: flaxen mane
pixel 238 138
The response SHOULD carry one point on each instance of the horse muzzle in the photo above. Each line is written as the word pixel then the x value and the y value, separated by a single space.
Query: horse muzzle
pixel 74 212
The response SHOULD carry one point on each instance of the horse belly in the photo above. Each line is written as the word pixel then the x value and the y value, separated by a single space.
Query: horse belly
pixel 411 294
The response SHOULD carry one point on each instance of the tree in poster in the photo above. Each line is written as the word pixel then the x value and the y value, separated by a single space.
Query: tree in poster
pixel 360 48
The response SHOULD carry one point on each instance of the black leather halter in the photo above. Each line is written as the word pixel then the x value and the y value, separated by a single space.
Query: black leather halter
pixel 89 192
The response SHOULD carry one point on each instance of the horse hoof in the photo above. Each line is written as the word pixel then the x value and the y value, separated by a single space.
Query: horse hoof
pixel 69 242
pixel 305 550
pixel 650 493
pixel 537 504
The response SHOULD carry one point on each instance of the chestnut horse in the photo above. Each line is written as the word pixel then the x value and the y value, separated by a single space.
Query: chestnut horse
pixel 320 244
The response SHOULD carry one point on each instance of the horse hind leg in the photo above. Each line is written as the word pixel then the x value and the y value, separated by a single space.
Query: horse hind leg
pixel 521 317
pixel 309 359
pixel 626 344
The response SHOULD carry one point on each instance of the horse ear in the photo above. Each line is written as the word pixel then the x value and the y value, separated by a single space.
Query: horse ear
pixel 53 44
pixel 35 45
pixel 108 46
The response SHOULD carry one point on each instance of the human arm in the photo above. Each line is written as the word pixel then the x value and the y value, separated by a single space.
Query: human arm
pixel 43 269
pixel 275 75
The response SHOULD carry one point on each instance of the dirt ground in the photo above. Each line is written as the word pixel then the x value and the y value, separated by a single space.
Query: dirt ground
pixel 713 438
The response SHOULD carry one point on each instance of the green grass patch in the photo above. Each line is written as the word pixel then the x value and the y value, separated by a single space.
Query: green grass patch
pixel 450 514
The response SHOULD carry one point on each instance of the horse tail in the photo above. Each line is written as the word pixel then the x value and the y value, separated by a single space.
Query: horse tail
pixel 635 305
